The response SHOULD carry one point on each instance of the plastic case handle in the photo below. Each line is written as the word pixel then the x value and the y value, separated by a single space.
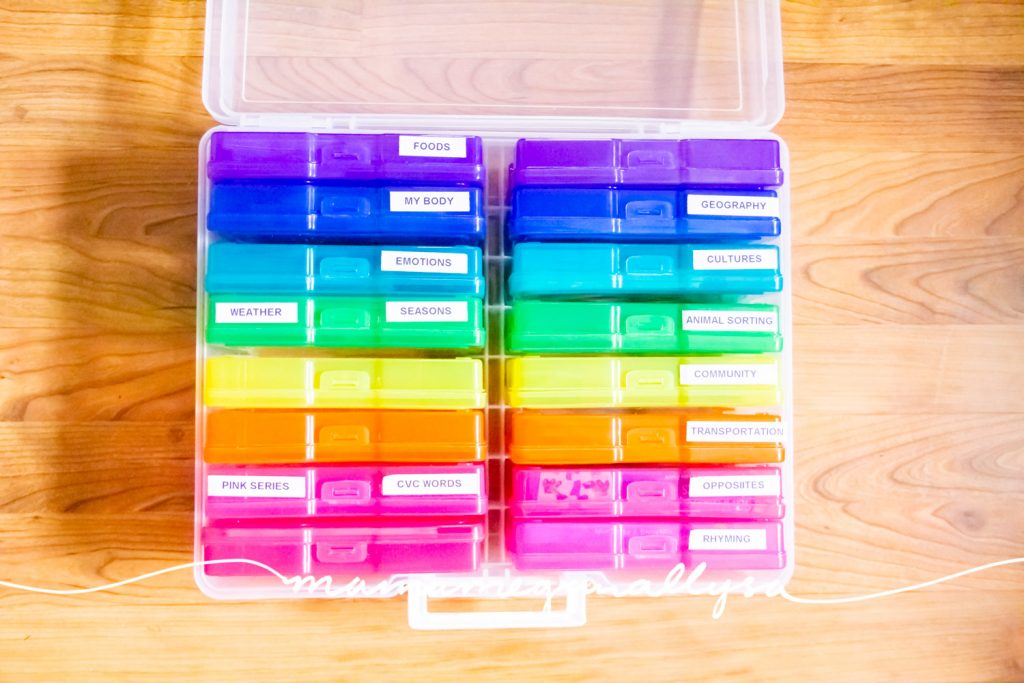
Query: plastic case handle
pixel 421 618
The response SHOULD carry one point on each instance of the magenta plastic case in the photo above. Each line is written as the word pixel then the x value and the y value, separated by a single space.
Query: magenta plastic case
pixel 628 545
pixel 342 550
pixel 236 492
pixel 707 492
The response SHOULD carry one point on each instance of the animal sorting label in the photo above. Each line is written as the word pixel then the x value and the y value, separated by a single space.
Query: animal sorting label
pixel 712 320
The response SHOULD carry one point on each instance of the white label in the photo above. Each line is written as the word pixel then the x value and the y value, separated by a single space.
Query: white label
pixel 728 539
pixel 262 312
pixel 426 311
pixel 728 373
pixel 424 262
pixel 464 484
pixel 714 320
pixel 237 486
pixel 451 202
pixel 735 259
pixel 430 146
pixel 732 485
pixel 735 432
pixel 732 205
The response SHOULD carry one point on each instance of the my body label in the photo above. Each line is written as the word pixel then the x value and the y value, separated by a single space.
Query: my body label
pixel 256 312
pixel 735 259
pixel 424 262
pixel 426 311
pixel 728 539
pixel 430 200
pixel 728 373
pixel 255 486
pixel 462 483
pixel 712 431
pixel 431 146
pixel 732 205
pixel 732 485
pixel 714 320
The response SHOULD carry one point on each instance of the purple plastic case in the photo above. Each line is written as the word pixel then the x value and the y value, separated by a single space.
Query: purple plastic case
pixel 607 545
pixel 377 548
pixel 712 492
pixel 346 157
pixel 652 163
pixel 250 492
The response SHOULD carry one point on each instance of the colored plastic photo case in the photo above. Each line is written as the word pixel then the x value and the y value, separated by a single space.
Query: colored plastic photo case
pixel 647 163
pixel 643 381
pixel 400 383
pixel 543 437
pixel 345 322
pixel 237 492
pixel 573 327
pixel 263 437
pixel 346 157
pixel 344 270
pixel 295 211
pixel 565 270
pixel 705 492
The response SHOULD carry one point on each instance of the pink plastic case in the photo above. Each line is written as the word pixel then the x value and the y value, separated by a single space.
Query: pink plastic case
pixel 712 492
pixel 249 492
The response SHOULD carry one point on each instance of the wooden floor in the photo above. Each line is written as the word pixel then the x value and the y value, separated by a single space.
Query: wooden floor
pixel 906 125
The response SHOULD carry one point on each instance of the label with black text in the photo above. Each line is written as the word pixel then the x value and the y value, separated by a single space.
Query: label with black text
pixel 221 485
pixel 714 320
pixel 728 373
pixel 746 206
pixel 452 201
pixel 424 262
pixel 431 146
pixel 735 259
pixel 256 312
pixel 733 485
pixel 463 483
pixel 426 311
pixel 722 431
pixel 728 539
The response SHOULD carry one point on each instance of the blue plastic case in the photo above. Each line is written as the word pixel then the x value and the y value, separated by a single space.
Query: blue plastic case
pixel 292 211
pixel 242 268
pixel 578 215
pixel 559 270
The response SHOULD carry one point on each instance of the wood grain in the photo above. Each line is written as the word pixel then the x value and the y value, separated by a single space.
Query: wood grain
pixel 904 125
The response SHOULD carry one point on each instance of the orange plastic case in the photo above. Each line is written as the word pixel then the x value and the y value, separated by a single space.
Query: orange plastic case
pixel 557 438
pixel 297 436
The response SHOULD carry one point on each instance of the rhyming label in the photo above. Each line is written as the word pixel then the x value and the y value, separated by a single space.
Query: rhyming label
pixel 732 205
pixel 728 539
pixel 463 483
pixel 424 262
pixel 262 312
pixel 255 486
pixel 711 431
pixel 451 201
pixel 732 485
pixel 729 373
pixel 426 311
pixel 735 259
pixel 430 146
pixel 714 320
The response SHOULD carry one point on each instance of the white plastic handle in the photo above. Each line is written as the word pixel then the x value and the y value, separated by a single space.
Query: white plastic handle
pixel 420 616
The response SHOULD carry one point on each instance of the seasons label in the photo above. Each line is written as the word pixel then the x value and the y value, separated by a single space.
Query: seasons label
pixel 426 311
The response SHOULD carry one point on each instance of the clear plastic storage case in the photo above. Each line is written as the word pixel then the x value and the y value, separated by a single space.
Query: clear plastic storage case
pixel 334 461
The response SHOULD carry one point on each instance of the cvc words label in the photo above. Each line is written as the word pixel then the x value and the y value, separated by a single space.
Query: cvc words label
pixel 735 259
pixel 424 262
pixel 256 486
pixel 426 311
pixel 462 483
pixel 711 431
pixel 456 201
pixel 728 539
pixel 251 312
pixel 749 206
pixel 732 485
pixel 714 320
pixel 431 146
pixel 728 373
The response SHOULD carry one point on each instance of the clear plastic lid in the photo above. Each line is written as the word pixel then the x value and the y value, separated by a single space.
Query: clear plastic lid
pixel 494 65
